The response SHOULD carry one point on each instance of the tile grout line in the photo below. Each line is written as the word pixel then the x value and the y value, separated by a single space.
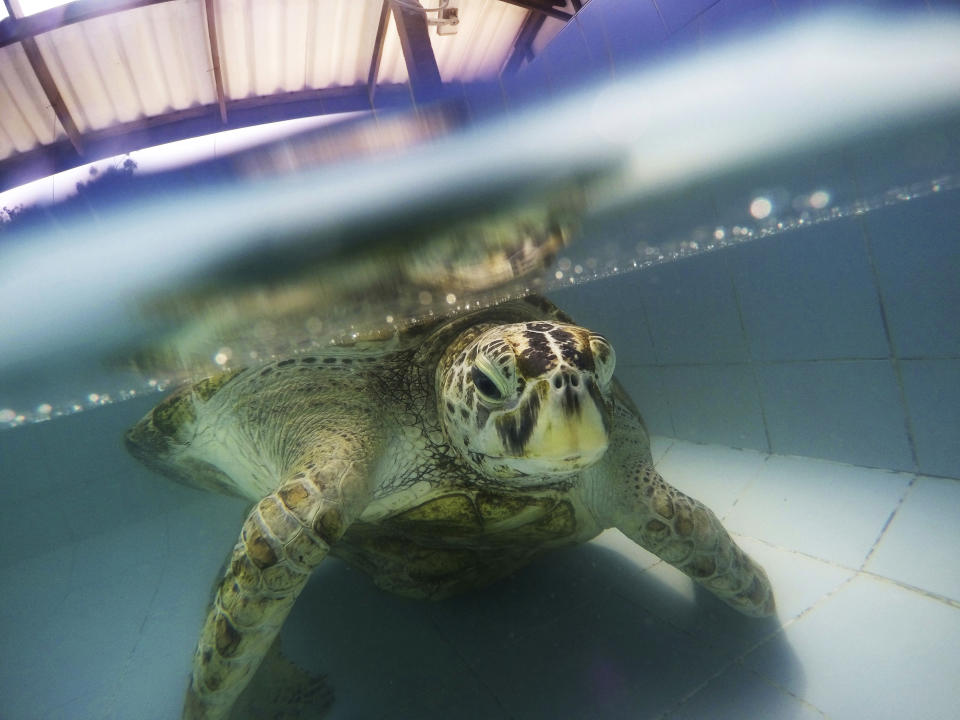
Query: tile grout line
pixel 832 461
pixel 884 320
pixel 929 594
pixel 740 657
pixel 663 21
pixel 855 573
pixel 886 525
pixel 750 359
pixel 483 683
pixel 786 690
pixel 646 324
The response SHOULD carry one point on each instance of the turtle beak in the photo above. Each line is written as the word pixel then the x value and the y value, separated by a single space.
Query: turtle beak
pixel 561 427
pixel 576 430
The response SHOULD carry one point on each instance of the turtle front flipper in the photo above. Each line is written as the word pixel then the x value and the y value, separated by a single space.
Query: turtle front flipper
pixel 284 538
pixel 675 527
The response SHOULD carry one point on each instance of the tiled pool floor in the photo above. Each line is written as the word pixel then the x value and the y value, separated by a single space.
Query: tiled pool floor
pixel 101 621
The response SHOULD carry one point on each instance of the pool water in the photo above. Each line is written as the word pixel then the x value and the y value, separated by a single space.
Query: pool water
pixel 789 330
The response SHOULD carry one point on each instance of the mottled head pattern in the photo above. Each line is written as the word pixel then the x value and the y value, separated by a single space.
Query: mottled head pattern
pixel 528 400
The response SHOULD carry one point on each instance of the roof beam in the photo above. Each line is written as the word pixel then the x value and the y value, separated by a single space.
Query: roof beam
pixel 192 122
pixel 418 54
pixel 211 14
pixel 48 85
pixel 543 7
pixel 16 29
pixel 524 42
pixel 378 50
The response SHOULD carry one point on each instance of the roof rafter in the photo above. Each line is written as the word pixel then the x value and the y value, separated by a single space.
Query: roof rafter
pixel 543 7
pixel 425 81
pixel 378 50
pixel 192 122
pixel 17 29
pixel 524 42
pixel 48 84
pixel 211 13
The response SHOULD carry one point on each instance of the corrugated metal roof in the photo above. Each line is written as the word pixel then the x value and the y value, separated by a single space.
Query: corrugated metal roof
pixel 91 69
pixel 484 39
pixel 27 119
pixel 143 62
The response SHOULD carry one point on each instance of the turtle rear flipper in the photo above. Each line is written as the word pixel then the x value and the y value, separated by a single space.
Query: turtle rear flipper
pixel 280 690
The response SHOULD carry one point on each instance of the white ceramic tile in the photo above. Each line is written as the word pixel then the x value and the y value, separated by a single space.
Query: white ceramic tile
pixel 375 650
pixel 30 527
pixel 552 641
pixel 738 693
pixel 33 587
pixel 798 582
pixel 96 559
pixel 24 469
pixel 828 510
pixel 846 411
pixel 645 385
pixel 932 388
pixel 916 247
pixel 810 295
pixel 608 660
pixel 77 649
pixel 614 543
pixel 873 650
pixel 713 474
pixel 715 404
pixel 920 544
pixel 692 311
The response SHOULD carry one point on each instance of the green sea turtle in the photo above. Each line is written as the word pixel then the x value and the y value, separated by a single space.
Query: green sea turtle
pixel 441 461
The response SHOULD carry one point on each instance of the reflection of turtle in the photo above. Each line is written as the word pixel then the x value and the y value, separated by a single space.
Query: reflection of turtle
pixel 439 463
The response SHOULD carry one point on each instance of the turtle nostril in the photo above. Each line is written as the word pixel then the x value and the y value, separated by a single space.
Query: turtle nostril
pixel 558 382
pixel 574 380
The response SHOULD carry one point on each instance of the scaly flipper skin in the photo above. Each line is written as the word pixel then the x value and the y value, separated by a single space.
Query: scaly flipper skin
pixel 682 531
pixel 321 452
pixel 284 538
pixel 436 464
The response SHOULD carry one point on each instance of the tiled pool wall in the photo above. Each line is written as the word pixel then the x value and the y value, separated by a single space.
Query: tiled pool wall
pixel 839 340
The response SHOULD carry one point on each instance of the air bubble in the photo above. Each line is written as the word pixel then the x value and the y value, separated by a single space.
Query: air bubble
pixel 761 207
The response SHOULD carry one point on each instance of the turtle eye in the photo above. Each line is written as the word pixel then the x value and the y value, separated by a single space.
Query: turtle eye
pixel 604 357
pixel 485 385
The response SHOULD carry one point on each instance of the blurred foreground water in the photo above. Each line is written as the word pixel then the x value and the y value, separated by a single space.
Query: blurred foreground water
pixel 357 230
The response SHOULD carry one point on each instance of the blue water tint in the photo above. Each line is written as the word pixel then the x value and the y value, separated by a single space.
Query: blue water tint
pixel 633 30
pixel 932 390
pixel 677 13
pixel 810 295
pixel 848 411
pixel 743 16
pixel 916 248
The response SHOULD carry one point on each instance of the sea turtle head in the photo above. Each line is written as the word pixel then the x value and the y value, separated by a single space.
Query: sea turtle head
pixel 527 400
